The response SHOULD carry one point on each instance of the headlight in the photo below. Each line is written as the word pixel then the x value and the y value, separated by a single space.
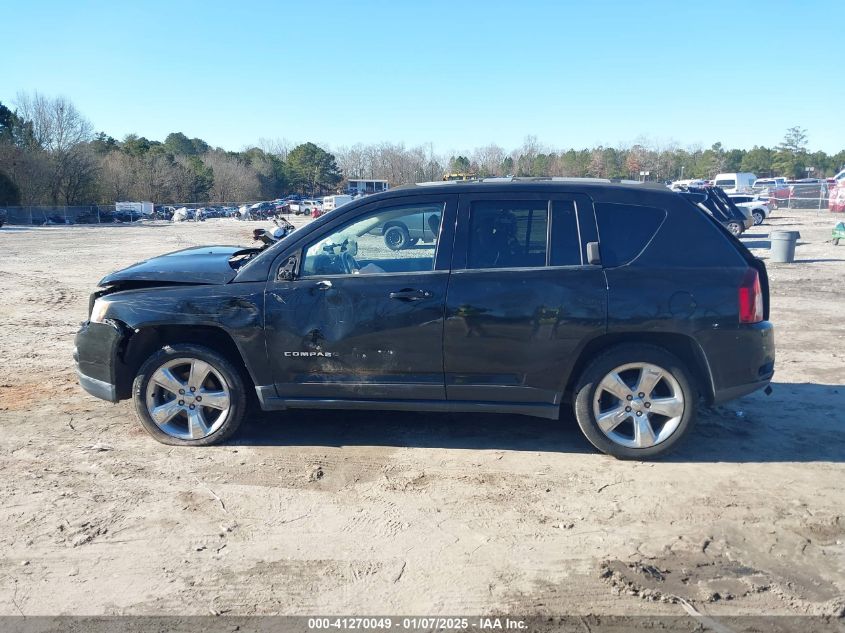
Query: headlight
pixel 98 312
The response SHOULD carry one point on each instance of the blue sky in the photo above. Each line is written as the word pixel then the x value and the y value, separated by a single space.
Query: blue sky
pixel 458 75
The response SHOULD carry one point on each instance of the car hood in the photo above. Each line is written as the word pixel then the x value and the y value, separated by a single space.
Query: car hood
pixel 198 265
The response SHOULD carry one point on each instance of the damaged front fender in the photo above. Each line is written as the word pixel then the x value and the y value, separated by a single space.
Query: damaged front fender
pixel 187 313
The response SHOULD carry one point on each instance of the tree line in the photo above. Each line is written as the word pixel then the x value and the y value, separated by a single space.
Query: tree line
pixel 790 158
pixel 50 154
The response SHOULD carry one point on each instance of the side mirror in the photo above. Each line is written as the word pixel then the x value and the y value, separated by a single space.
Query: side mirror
pixel 288 270
pixel 593 255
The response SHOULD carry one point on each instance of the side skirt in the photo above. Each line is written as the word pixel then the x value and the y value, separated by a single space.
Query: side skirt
pixel 272 402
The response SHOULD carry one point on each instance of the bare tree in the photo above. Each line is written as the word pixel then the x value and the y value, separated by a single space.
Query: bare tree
pixel 116 176
pixel 56 123
pixel 233 179
pixel 29 169
pixel 489 160
pixel 78 173
pixel 277 146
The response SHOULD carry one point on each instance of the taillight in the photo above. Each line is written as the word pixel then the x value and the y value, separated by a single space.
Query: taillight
pixel 750 298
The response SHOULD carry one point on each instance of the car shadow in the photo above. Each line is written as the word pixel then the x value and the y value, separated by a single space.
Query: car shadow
pixel 767 244
pixel 799 422
pixel 473 431
pixel 816 261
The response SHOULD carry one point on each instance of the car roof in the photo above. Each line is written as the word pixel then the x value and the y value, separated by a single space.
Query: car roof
pixel 517 184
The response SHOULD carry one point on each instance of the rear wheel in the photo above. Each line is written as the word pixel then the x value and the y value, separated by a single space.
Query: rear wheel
pixel 188 395
pixel 635 402
pixel 735 228
pixel 396 237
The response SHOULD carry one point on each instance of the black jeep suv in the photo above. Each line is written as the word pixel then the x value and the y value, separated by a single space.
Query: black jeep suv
pixel 625 301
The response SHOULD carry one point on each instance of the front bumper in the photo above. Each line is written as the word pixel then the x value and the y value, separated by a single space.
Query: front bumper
pixel 96 357
pixel 97 388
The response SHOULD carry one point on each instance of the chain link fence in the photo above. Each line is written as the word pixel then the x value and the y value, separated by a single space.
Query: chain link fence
pixel 45 215
pixel 810 196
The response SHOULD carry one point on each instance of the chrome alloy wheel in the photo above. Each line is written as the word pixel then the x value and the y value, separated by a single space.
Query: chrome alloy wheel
pixel 187 398
pixel 638 405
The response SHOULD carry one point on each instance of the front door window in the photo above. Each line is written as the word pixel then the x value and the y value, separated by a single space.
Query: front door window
pixel 399 239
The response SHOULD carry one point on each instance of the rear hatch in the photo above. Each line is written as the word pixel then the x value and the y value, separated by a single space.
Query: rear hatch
pixel 700 196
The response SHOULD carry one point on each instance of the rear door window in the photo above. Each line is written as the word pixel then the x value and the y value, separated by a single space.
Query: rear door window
pixel 625 230
pixel 508 234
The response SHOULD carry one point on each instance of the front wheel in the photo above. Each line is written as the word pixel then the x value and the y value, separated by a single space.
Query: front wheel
pixel 635 402
pixel 759 216
pixel 188 395
pixel 735 228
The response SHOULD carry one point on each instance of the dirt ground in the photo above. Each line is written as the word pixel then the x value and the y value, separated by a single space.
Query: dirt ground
pixel 387 513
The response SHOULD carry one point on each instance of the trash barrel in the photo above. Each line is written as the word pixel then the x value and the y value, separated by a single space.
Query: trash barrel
pixel 783 246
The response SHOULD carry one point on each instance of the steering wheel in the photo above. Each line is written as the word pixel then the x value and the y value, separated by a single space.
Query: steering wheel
pixel 350 266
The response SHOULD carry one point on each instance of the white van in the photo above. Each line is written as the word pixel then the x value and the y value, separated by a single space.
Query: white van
pixel 330 203
pixel 739 182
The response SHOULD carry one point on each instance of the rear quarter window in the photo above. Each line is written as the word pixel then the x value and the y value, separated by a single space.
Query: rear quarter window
pixel 625 230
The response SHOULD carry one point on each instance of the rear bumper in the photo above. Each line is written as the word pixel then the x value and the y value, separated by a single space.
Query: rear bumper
pixel 741 359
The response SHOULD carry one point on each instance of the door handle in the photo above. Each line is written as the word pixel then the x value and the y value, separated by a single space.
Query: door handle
pixel 323 285
pixel 410 294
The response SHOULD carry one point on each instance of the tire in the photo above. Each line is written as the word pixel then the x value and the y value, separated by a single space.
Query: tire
pixel 396 237
pixel 626 436
pixel 213 423
pixel 735 228
pixel 759 216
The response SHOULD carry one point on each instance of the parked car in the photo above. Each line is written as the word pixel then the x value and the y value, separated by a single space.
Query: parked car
pixel 407 230
pixel 725 213
pixel 807 192
pixel 534 294
pixel 757 206
pixel 776 189
pixel 89 216
pixel 737 182
pixel 681 185
pixel 281 207
pixel 305 206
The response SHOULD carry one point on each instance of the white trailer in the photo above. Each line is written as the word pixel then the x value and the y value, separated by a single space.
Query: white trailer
pixel 136 208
